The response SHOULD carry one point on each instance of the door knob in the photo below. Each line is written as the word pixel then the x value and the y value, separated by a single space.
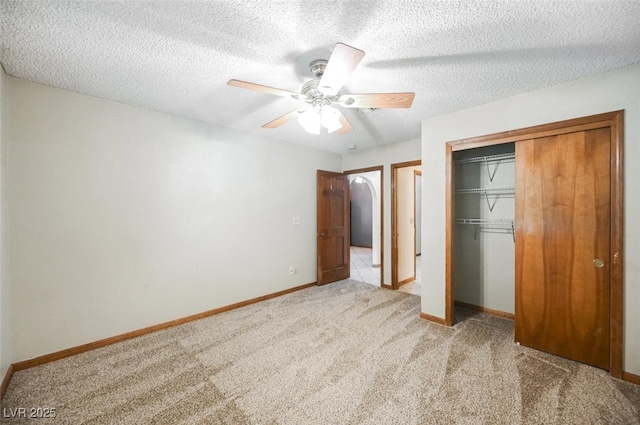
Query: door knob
pixel 321 235
pixel 598 263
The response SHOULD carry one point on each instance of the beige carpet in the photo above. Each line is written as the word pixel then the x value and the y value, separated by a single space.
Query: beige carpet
pixel 346 353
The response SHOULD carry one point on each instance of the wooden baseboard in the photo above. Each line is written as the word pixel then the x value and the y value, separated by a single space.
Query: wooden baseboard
pixel 407 280
pixel 5 381
pixel 384 285
pixel 37 361
pixel 630 377
pixel 433 319
pixel 483 309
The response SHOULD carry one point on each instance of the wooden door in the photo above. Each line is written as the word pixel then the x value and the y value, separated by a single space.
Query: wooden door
pixel 400 228
pixel 563 236
pixel 333 227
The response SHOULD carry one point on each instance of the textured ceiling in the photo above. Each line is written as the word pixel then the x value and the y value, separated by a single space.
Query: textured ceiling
pixel 176 56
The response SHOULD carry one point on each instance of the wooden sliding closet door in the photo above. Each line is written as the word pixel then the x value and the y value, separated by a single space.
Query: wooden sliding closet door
pixel 563 236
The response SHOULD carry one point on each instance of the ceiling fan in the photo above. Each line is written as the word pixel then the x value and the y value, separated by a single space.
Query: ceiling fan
pixel 322 94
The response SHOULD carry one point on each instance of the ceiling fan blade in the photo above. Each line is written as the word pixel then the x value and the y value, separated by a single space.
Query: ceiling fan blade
pixel 344 59
pixel 265 89
pixel 283 119
pixel 377 100
pixel 346 125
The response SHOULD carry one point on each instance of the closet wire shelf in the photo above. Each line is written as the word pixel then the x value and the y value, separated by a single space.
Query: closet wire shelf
pixel 489 190
pixel 503 157
pixel 488 222
pixel 495 192
pixel 511 156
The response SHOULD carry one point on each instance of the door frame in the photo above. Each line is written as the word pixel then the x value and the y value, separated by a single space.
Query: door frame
pixel 416 173
pixel 366 170
pixel 615 122
pixel 394 218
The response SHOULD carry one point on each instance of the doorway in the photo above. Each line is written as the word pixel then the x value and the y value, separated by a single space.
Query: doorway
pixel 404 226
pixel 366 215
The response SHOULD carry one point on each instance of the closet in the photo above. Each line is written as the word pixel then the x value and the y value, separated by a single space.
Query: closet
pixel 484 254
pixel 534 233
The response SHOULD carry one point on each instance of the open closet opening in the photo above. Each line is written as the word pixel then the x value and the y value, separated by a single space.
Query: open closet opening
pixel 484 238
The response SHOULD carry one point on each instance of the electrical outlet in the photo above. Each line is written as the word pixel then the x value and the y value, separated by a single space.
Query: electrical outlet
pixel 296 221
pixel 292 270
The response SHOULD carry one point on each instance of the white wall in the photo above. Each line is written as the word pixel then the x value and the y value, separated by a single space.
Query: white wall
pixel 5 295
pixel 122 218
pixel 385 156
pixel 588 96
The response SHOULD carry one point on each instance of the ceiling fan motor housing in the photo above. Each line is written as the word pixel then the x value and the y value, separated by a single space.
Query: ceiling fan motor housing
pixel 315 96
pixel 310 90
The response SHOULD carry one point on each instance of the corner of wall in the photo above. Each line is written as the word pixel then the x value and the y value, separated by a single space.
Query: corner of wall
pixel 5 305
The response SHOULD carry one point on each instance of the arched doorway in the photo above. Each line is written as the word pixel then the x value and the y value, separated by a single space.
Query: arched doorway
pixel 366 225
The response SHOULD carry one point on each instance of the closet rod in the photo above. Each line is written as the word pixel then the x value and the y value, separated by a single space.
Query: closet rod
pixel 489 221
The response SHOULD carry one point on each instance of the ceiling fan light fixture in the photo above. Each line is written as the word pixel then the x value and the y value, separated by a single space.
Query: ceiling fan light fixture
pixel 310 120
pixel 330 119
pixel 323 92
pixel 314 118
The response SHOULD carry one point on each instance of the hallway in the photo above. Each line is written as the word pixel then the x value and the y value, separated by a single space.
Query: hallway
pixel 363 271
